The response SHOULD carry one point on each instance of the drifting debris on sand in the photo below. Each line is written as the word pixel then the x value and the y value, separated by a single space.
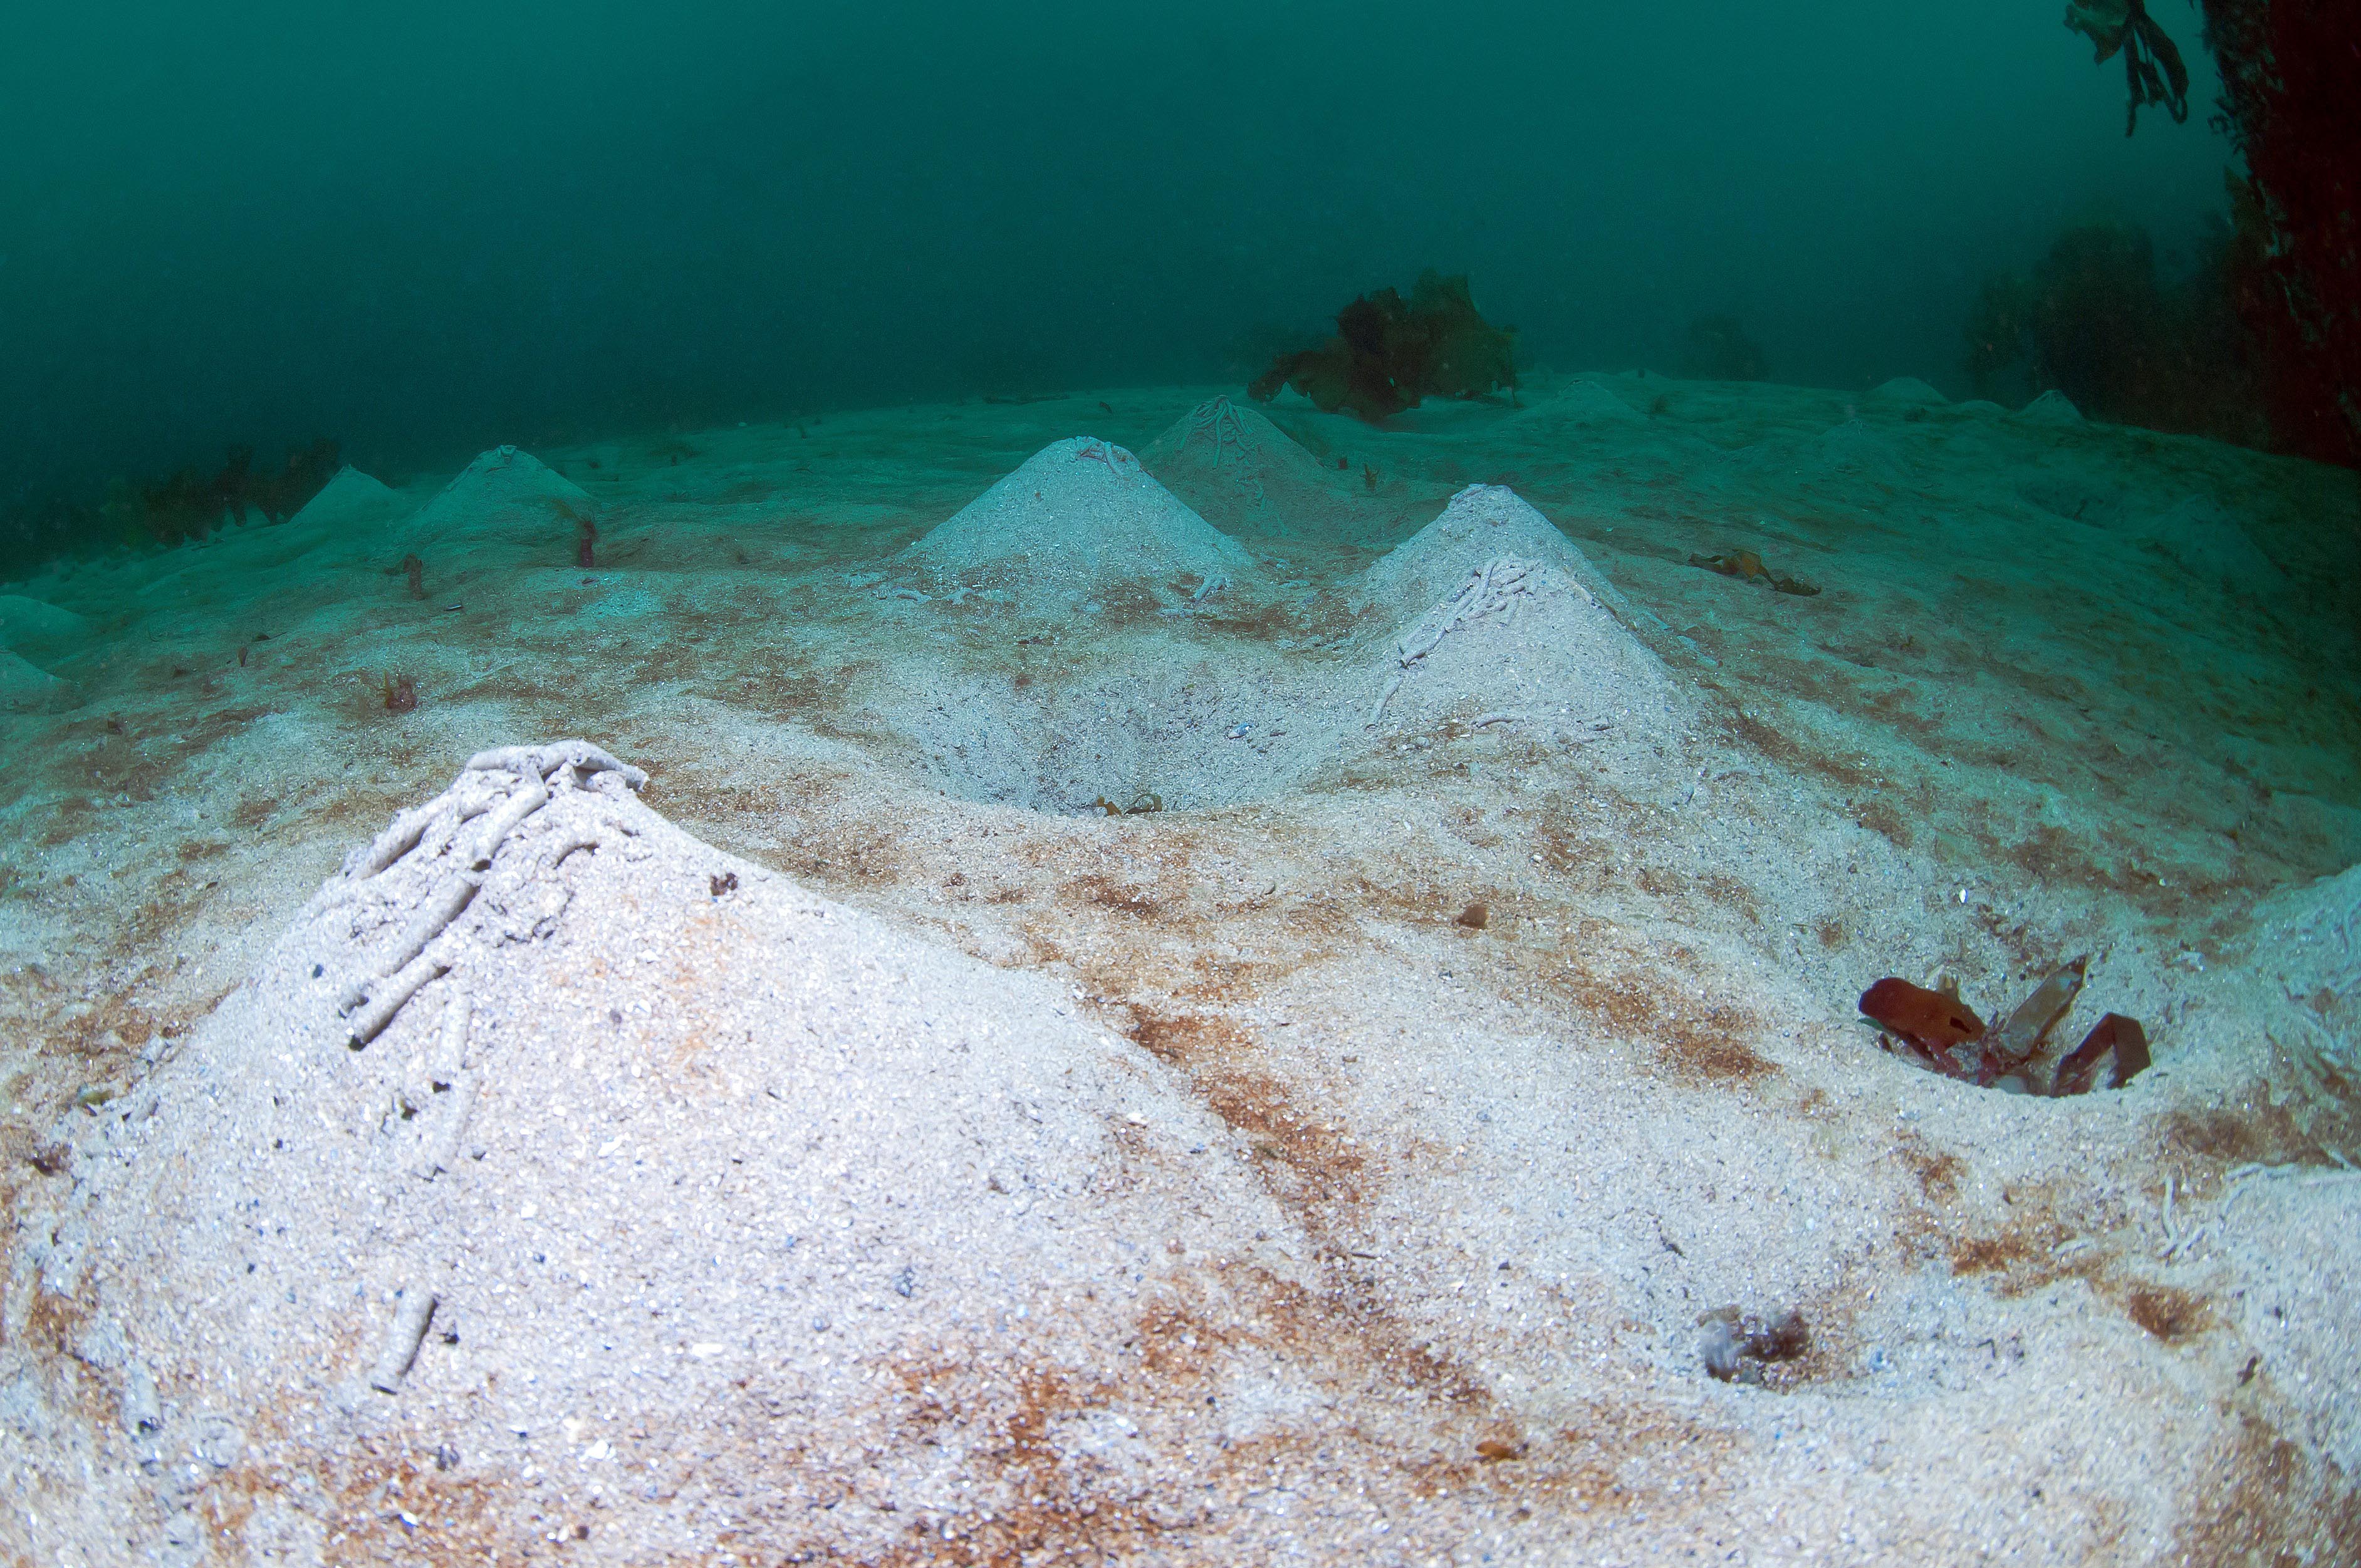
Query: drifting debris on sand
pixel 1747 566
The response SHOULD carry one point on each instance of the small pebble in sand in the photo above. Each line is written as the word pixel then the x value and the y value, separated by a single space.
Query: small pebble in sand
pixel 1736 1347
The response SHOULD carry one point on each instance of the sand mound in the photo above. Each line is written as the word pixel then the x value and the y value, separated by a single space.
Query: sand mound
pixel 1481 522
pixel 505 497
pixel 1581 408
pixel 2052 407
pixel 2212 546
pixel 1907 389
pixel 1079 521
pixel 25 684
pixel 1498 621
pixel 34 626
pixel 1244 474
pixel 355 501
pixel 644 1164
pixel 1163 717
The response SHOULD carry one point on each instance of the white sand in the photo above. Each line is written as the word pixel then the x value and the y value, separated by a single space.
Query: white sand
pixel 982 1178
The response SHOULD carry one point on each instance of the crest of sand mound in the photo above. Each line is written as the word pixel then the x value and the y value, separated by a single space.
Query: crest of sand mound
pixel 509 497
pixel 33 626
pixel 1080 517
pixel 351 501
pixel 1243 474
pixel 1480 523
pixel 1908 391
pixel 1498 618
pixel 2052 407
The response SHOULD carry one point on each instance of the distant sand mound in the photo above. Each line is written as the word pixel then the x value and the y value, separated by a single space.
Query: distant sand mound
pixel 1581 404
pixel 1907 390
pixel 1079 521
pixel 510 498
pixel 25 686
pixel 36 626
pixel 1244 474
pixel 351 501
pixel 2052 407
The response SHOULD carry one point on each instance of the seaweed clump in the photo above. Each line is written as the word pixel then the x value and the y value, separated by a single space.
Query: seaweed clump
pixel 192 504
pixel 2094 321
pixel 1388 354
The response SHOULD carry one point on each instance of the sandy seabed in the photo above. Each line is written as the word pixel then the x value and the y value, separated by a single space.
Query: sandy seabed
pixel 1132 978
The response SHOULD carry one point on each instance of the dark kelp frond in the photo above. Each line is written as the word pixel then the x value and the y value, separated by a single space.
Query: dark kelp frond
pixel 2152 71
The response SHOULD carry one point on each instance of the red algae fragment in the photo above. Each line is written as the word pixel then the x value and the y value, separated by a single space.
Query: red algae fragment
pixel 2113 1034
pixel 1936 1027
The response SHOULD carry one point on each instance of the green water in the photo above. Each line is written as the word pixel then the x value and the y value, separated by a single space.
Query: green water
pixel 426 231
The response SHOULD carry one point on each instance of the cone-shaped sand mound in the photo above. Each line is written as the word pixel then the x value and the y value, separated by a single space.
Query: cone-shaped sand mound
pixel 1486 618
pixel 549 1135
pixel 1244 474
pixel 509 498
pixel 1080 522
pixel 1496 622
